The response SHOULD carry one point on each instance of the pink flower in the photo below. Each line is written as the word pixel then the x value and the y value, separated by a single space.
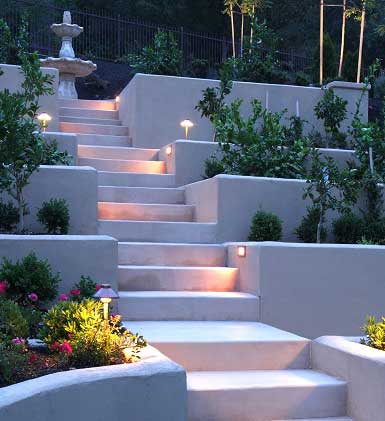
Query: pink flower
pixel 32 358
pixel 33 297
pixel 18 341
pixel 66 348
pixel 75 292
pixel 63 297
pixel 97 287
pixel 3 287
pixel 54 346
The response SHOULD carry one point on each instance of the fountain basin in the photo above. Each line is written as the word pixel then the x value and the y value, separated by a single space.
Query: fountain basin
pixel 75 66
pixel 66 30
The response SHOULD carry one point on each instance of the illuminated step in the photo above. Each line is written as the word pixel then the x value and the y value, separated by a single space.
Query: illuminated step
pixel 90 120
pixel 113 152
pixel 93 129
pixel 88 113
pixel 108 105
pixel 103 140
pixel 122 165
pixel 141 195
pixel 125 179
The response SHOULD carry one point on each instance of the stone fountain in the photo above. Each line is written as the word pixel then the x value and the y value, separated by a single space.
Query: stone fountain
pixel 68 65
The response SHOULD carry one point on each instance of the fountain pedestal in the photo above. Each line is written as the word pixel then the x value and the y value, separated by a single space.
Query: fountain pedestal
pixel 68 65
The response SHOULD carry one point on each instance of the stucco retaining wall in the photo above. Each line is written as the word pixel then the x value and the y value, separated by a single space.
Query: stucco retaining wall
pixel 312 289
pixel 153 106
pixel 72 256
pixel 77 185
pixel 362 367
pixel 12 79
pixel 152 389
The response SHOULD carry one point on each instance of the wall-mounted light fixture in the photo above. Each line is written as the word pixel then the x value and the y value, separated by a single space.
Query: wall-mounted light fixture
pixel 169 150
pixel 44 119
pixel 241 251
pixel 187 125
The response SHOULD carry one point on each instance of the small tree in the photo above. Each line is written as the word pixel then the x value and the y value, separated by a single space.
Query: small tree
pixel 22 145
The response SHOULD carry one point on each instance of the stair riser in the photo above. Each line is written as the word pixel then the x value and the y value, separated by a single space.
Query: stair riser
pixel 117 153
pixel 159 232
pixel 140 212
pixel 135 180
pixel 221 356
pixel 88 120
pixel 94 129
pixel 263 404
pixel 141 195
pixel 202 308
pixel 100 140
pixel 138 167
pixel 177 279
pixel 147 254
pixel 88 104
pixel 86 113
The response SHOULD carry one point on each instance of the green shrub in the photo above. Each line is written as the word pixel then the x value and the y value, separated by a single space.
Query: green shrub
pixel 9 217
pixel 348 229
pixel 52 156
pixel 12 357
pixel 199 68
pixel 213 167
pixel 84 289
pixel 163 58
pixel 330 60
pixel 81 325
pixel 374 230
pixel 302 79
pixel 307 230
pixel 265 226
pixel 54 215
pixel 12 322
pixel 29 276
pixel 349 69
pixel 375 333
pixel 379 87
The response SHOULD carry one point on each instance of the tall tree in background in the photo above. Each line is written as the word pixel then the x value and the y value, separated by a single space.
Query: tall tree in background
pixel 229 10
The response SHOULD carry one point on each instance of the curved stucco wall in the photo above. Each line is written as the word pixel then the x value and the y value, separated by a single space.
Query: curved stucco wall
pixel 152 389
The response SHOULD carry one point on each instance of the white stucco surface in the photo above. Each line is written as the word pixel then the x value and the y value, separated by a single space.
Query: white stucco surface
pixel 152 389
pixel 362 367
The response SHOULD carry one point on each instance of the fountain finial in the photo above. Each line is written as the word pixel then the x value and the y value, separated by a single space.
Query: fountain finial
pixel 67 17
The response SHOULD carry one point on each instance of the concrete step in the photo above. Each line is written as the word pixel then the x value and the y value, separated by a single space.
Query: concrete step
pixel 108 105
pixel 168 254
pixel 159 232
pixel 186 305
pixel 93 129
pixel 141 195
pixel 89 120
pixel 176 278
pixel 264 395
pixel 103 140
pixel 125 179
pixel 226 346
pixel 321 419
pixel 88 113
pixel 145 212
pixel 121 165
pixel 111 152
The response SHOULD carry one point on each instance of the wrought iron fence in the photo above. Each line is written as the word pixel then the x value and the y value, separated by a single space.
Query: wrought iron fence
pixel 112 38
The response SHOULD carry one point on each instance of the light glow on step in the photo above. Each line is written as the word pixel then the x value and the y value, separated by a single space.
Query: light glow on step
pixel 242 251
pixel 169 150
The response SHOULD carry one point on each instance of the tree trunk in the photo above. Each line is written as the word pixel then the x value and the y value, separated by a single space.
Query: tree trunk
pixel 20 204
pixel 319 226
pixel 242 32
pixel 232 27
pixel 342 40
pixel 321 43
pixel 361 42
pixel 252 26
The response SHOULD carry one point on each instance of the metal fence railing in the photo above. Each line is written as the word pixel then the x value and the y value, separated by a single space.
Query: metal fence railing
pixel 109 37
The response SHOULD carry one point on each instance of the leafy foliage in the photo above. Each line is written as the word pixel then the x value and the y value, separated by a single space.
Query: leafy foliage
pixel 9 217
pixel 86 288
pixel 199 68
pixel 11 357
pixel 348 229
pixel 163 58
pixel 27 276
pixel 374 333
pixel 265 226
pixel 330 60
pixel 92 342
pixel 11 44
pixel 54 215
pixel 213 167
pixel 12 322
pixel 307 230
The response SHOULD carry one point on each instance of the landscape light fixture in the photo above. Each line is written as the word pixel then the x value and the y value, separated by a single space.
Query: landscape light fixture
pixel 241 251
pixel 106 294
pixel 187 125
pixel 169 150
pixel 117 99
pixel 44 119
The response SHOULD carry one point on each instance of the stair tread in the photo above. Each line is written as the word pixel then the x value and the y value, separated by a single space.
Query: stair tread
pixel 186 294
pixel 264 379
pixel 160 205
pixel 320 419
pixel 160 267
pixel 211 332
pixel 119 148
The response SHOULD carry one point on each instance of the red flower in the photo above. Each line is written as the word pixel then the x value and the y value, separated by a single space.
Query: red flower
pixel 75 292
pixel 3 287
pixel 63 297
pixel 54 346
pixel 66 348
pixel 33 297
pixel 32 358
pixel 97 287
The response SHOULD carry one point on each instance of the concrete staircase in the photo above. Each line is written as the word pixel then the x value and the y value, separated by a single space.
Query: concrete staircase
pixel 176 288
